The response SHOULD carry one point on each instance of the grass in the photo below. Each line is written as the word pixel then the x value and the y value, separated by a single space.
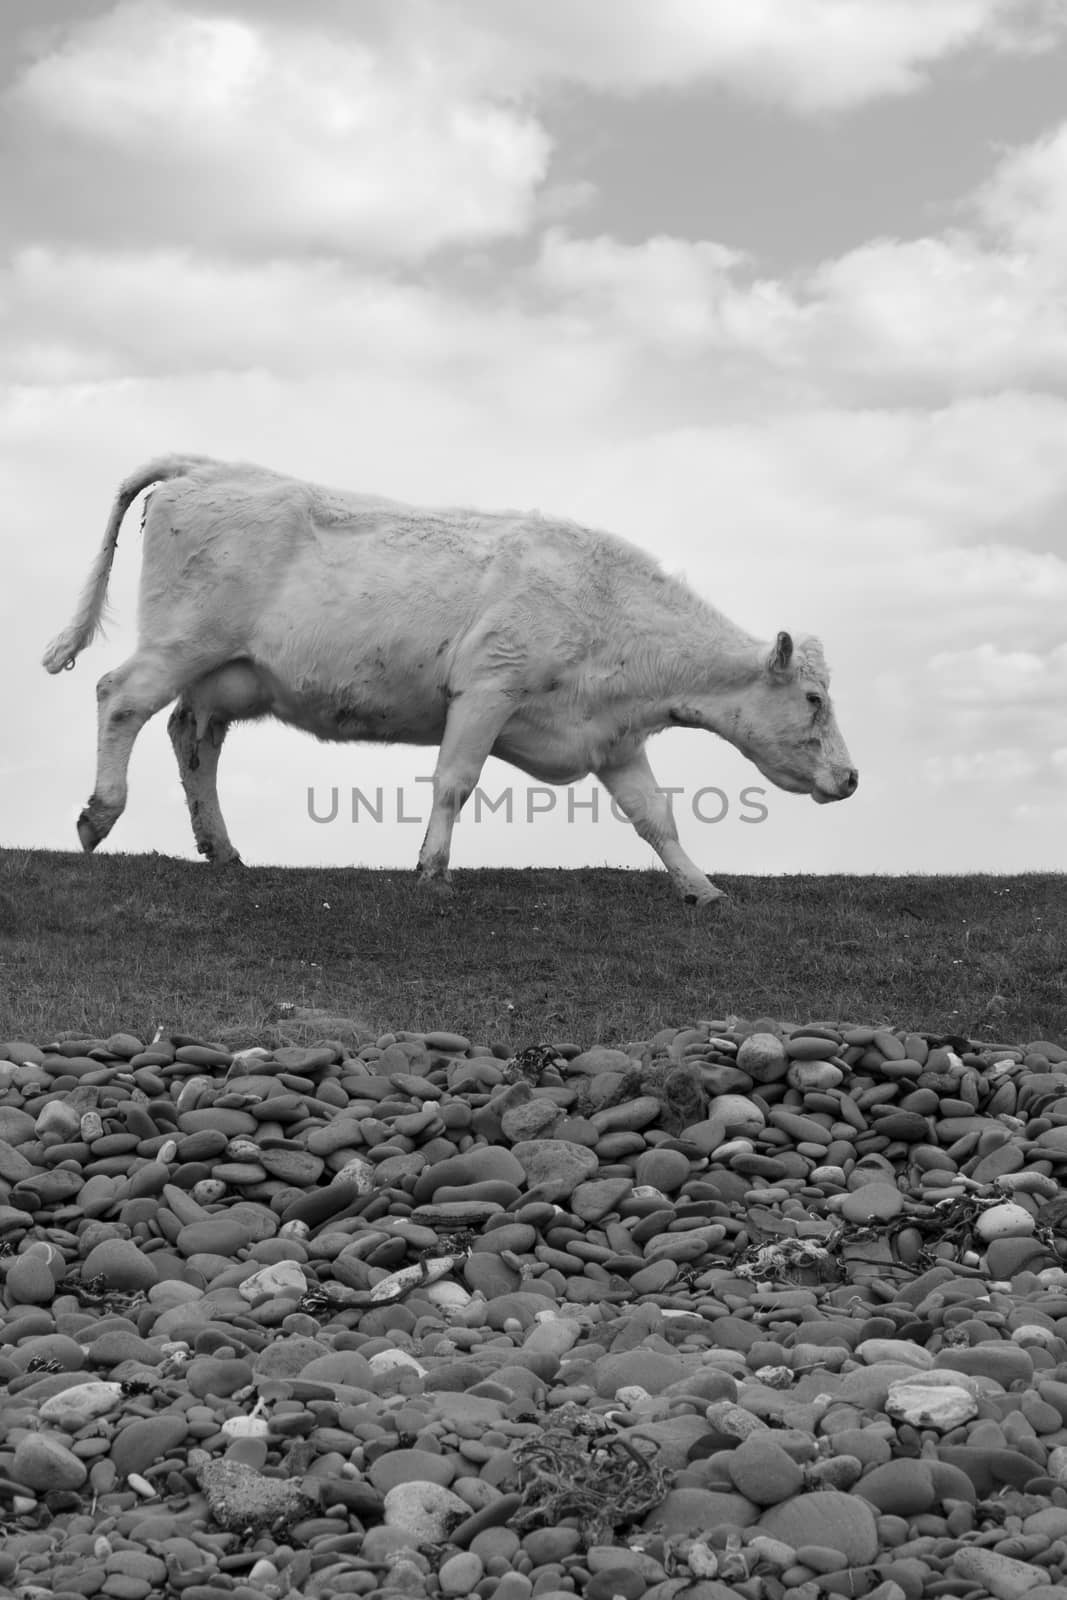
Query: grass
pixel 95 945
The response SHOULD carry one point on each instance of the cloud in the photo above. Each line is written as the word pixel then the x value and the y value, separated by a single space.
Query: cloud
pixel 809 57
pixel 1026 198
pixel 222 131
pixel 988 675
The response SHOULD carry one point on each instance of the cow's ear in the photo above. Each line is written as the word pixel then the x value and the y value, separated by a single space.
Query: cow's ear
pixel 782 654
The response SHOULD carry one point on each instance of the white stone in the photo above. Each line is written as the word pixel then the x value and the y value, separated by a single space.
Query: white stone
pixel 1001 1576
pixel 273 1281
pixel 552 1336
pixel 56 1116
pixel 1007 1221
pixel 736 1113
pixel 734 1147
pixel 72 1408
pixel 426 1511
pixel 1033 1333
pixel 913 1355
pixel 387 1360
pixel 763 1056
pixel 820 1075
pixel 358 1171
pixel 922 1405
pixel 252 1427
pixel 450 1296
pixel 631 1394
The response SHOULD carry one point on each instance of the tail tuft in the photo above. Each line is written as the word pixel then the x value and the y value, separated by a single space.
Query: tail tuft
pixel 63 651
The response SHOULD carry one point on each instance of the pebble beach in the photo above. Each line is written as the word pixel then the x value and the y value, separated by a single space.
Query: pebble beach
pixel 744 1308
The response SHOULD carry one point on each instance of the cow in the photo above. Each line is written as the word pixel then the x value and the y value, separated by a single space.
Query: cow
pixel 556 648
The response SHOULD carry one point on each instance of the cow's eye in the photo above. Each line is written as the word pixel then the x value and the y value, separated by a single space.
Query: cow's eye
pixel 814 700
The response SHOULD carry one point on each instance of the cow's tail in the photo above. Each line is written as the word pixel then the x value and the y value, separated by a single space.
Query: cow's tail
pixel 68 645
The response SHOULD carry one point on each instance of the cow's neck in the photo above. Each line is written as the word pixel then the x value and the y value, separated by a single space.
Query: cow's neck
pixel 707 687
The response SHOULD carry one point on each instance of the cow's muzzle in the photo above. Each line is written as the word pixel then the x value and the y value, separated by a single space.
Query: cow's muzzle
pixel 840 791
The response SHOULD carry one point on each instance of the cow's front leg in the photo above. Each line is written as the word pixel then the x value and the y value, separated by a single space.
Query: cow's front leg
pixel 631 783
pixel 126 699
pixel 474 722
pixel 197 749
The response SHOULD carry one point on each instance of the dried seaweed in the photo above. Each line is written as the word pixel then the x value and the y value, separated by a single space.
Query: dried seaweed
pixel 580 1467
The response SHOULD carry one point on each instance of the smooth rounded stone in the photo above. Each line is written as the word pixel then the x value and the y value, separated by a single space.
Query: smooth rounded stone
pixel 16 1126
pixel 764 1057
pixel 929 1404
pixel 625 1582
pixel 410 1466
pixel 479 1164
pixel 38 1346
pixel 651 1370
pixel 990 1468
pixel 301 1168
pixel 486 1274
pixel 1005 1258
pixel 43 1462
pixel 29 1282
pixel 828 1517
pixel 14 1166
pixel 517 1237
pixel 74 1408
pixel 664 1170
pixel 241 1500
pixel 122 1265
pixel 692 1513
pixel 872 1350
pixel 555 1167
pixel 551 1337
pixel 629 1116
pixel 532 1119
pixel 1000 1359
pixel 1007 1221
pixel 1000 1576
pixel 460 1574
pixel 218 1375
pixel 899 1488
pixel 340 1366
pixel 674 1438
pixel 278 1278
pixel 427 1512
pixel 874 1202
pixel 146 1440
pixel 763 1472
pixel 596 1199
pixel 221 1235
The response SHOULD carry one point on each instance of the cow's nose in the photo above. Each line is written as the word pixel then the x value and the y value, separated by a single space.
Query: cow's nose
pixel 852 781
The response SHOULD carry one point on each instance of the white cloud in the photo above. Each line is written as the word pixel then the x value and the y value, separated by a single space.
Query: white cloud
pixel 228 131
pixel 810 56
pixel 1026 198
pixel 987 675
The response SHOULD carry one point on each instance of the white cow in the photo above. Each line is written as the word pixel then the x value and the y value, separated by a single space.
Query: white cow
pixel 553 647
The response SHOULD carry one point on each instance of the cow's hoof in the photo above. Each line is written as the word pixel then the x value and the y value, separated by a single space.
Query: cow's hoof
pixel 88 833
pixel 437 885
pixel 705 898
pixel 226 863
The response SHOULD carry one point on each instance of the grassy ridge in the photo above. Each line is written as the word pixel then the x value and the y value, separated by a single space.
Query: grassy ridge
pixel 95 945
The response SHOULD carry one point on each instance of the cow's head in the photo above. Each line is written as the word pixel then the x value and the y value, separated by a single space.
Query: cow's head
pixel 785 724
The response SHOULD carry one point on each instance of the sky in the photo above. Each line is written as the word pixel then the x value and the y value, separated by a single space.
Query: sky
pixel 776 289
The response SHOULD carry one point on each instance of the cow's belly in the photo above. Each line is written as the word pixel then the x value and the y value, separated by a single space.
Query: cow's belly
pixel 559 749
pixel 245 690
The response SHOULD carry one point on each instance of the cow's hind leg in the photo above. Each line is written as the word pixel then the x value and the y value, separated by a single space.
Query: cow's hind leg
pixel 475 720
pixel 126 699
pixel 197 742
pixel 633 786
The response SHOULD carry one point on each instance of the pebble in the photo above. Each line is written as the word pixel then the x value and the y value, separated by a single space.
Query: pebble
pixel 329 1320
